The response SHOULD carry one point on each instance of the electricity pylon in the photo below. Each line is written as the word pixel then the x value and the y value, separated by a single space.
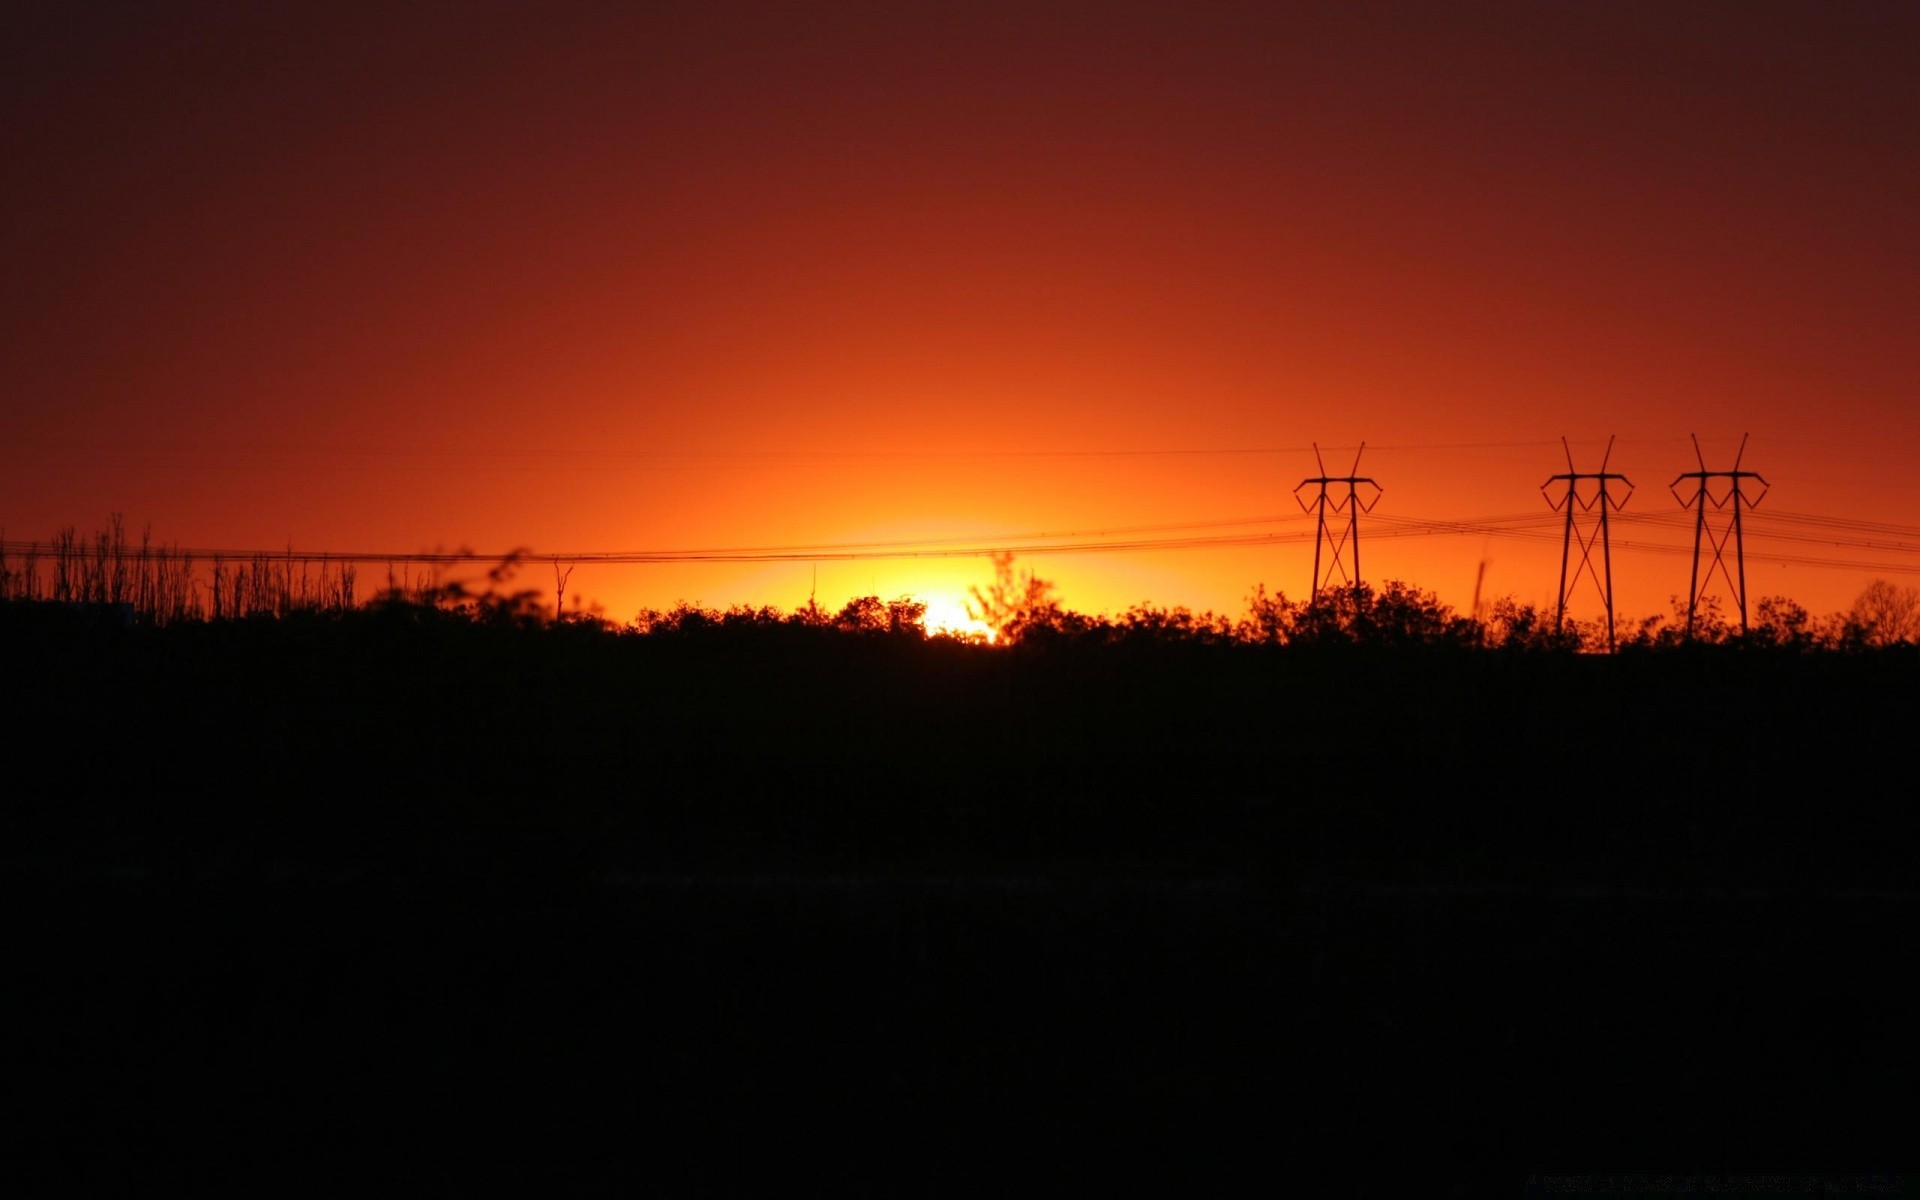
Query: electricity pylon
pixel 1342 544
pixel 1732 501
pixel 1599 501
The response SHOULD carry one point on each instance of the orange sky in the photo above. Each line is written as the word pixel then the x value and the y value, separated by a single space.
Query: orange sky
pixel 638 277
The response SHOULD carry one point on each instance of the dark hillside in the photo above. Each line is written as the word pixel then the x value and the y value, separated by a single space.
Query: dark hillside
pixel 407 900
pixel 346 742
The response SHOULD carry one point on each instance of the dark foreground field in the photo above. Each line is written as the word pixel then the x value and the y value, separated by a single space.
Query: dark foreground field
pixel 386 906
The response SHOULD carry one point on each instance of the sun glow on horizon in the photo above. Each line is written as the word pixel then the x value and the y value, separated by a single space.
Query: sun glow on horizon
pixel 946 615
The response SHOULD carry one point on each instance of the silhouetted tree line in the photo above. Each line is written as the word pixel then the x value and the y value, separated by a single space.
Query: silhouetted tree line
pixel 110 578
pixel 1021 609
pixel 465 709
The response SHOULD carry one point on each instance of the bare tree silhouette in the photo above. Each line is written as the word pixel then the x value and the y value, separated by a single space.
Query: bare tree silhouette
pixel 1016 602
pixel 1887 612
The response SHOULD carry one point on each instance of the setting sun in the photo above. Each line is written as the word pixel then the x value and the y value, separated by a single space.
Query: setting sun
pixel 946 615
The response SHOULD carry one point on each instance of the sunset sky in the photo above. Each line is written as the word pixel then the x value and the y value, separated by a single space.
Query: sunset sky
pixel 592 278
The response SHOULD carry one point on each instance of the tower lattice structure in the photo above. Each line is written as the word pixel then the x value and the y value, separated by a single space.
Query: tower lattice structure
pixel 1339 539
pixel 1726 502
pixel 1587 508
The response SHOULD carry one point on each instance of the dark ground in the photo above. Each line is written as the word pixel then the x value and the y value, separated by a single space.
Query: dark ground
pixel 400 908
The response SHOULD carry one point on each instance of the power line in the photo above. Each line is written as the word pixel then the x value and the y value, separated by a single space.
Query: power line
pixel 1763 528
pixel 420 453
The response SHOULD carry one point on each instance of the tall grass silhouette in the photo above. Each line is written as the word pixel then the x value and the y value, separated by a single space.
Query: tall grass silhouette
pixel 154 583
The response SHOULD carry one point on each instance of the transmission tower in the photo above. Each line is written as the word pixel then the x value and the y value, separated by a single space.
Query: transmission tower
pixel 1730 502
pixel 1598 501
pixel 1342 544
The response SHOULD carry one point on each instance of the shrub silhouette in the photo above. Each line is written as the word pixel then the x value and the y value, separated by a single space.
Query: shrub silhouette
pixel 1513 626
pixel 1397 615
pixel 902 615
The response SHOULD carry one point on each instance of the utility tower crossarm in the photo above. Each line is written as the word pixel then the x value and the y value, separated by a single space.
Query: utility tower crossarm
pixel 1733 500
pixel 1602 501
pixel 1327 497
